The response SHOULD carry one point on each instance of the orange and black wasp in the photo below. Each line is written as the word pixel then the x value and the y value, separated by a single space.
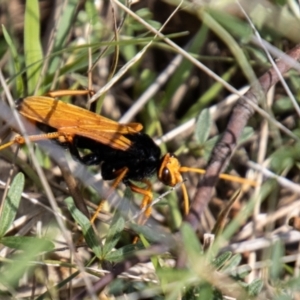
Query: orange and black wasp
pixel 124 152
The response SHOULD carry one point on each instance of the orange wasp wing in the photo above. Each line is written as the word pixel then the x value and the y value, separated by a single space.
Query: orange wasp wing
pixel 71 120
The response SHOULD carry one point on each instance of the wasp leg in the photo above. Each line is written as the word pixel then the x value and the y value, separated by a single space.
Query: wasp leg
pixel 148 196
pixel 20 140
pixel 61 93
pixel 145 205
pixel 121 175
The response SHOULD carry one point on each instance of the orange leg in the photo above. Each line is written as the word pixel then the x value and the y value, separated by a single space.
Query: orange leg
pixel 61 93
pixel 145 205
pixel 148 196
pixel 117 181
pixel 20 140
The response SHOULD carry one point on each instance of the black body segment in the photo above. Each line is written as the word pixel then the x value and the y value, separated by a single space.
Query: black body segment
pixel 142 158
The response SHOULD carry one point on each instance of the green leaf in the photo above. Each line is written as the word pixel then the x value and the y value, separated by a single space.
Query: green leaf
pixel 220 261
pixel 152 235
pixel 86 226
pixel 208 146
pixel 241 272
pixel 282 105
pixel 285 157
pixel 11 203
pixel 146 244
pixel 233 262
pixel 121 254
pixel 255 287
pixel 32 45
pixel 113 234
pixel 26 242
pixel 203 126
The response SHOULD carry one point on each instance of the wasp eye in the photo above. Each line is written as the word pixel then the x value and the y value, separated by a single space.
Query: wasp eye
pixel 166 177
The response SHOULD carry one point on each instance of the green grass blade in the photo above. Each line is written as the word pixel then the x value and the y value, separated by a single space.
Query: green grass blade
pixel 63 30
pixel 17 64
pixel 203 126
pixel 11 203
pixel 221 260
pixel 32 45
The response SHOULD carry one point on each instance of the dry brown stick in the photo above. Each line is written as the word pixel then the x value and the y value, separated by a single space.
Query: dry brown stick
pixel 228 142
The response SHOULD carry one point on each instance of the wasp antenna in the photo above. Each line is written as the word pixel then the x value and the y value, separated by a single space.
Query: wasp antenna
pixel 185 199
pixel 222 176
pixel 188 169
pixel 238 179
